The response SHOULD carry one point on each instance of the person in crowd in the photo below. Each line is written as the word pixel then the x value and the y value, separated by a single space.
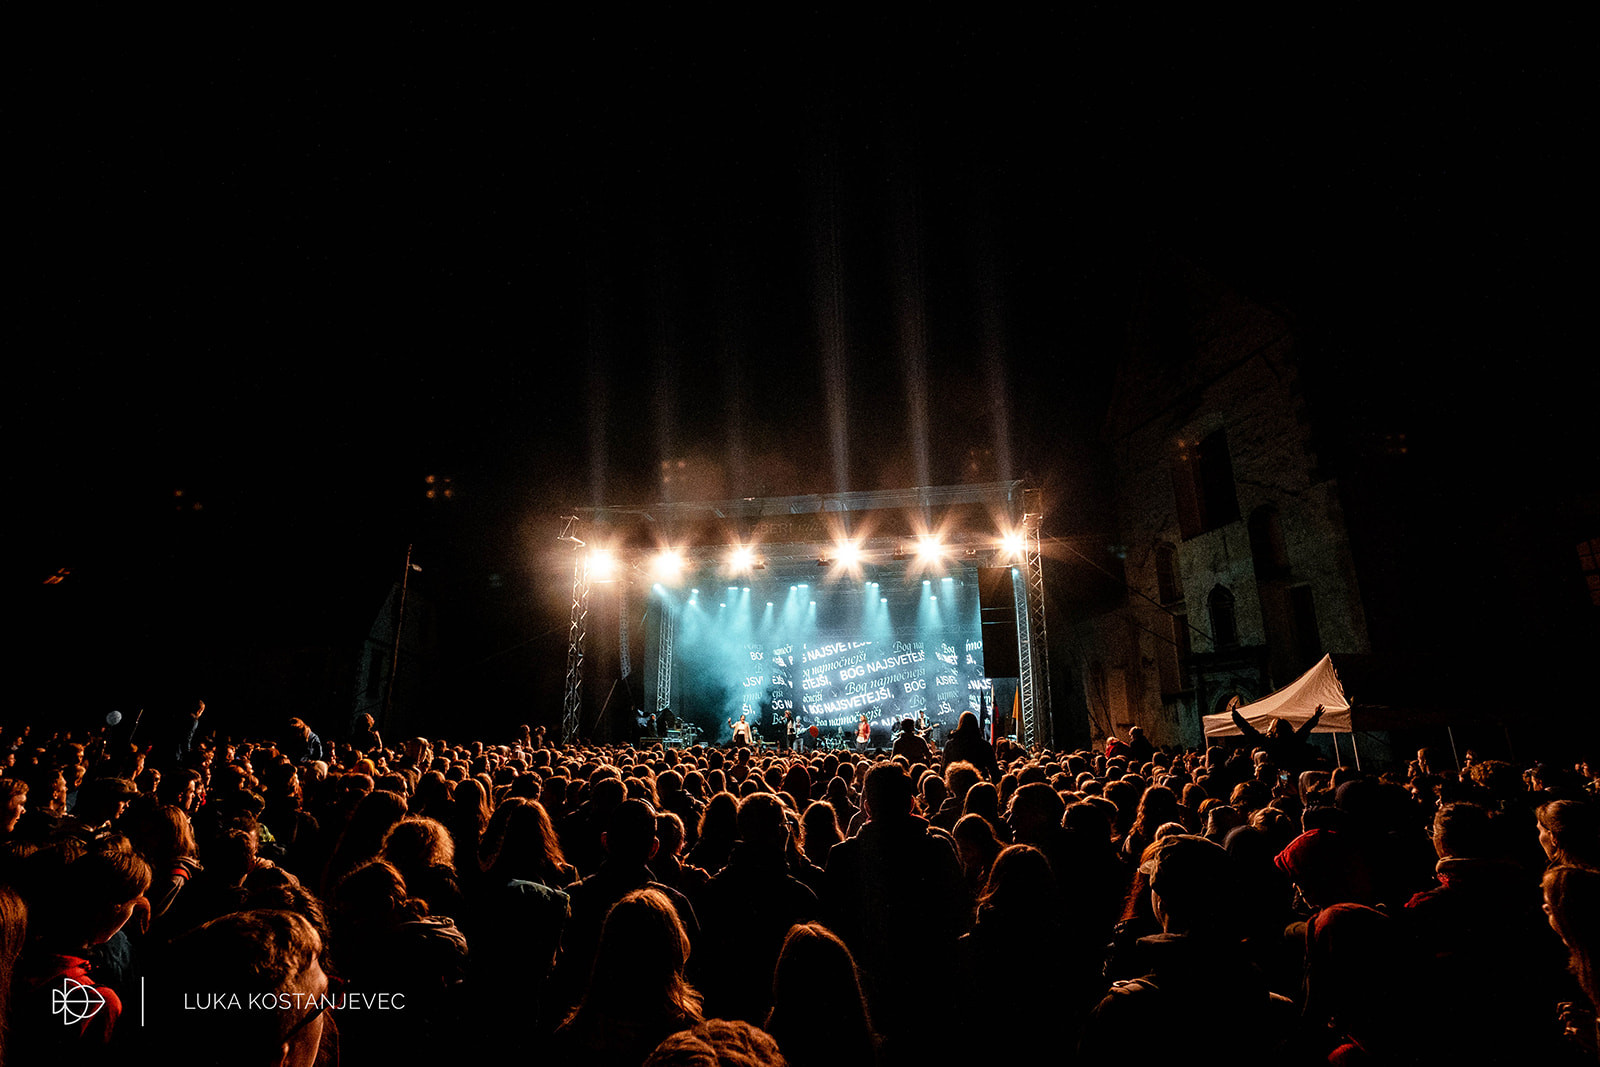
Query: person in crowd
pixel 374 816
pixel 530 849
pixel 271 958
pixel 637 993
pixel 968 743
pixel 895 894
pixel 188 733
pixel 13 803
pixel 1019 923
pixel 79 895
pixel 910 743
pixel 384 941
pixel 630 844
pixel 1489 953
pixel 165 838
pixel 13 935
pixel 718 833
pixel 1196 971
pixel 365 738
pixel 302 744
pixel 816 978
pixel 718 1043
pixel 422 850
pixel 1139 750
pixel 747 909
pixel 1569 833
pixel 1286 745
pixel 1572 905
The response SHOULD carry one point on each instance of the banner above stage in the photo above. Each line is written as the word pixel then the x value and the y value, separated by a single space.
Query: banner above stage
pixel 1294 703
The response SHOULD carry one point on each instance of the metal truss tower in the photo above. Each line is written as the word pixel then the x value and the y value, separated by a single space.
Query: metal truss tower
pixel 1032 637
pixel 669 627
pixel 572 701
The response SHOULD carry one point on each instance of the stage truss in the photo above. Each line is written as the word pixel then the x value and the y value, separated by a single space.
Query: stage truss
pixel 669 524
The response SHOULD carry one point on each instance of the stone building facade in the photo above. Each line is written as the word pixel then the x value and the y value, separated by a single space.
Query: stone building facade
pixel 1233 540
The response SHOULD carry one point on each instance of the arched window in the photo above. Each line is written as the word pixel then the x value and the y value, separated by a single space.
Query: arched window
pixel 1224 630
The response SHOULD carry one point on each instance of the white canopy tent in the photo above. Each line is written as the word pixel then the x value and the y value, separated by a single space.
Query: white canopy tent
pixel 1295 703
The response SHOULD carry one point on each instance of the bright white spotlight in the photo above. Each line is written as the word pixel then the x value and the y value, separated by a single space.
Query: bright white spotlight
pixel 848 553
pixel 929 549
pixel 667 565
pixel 1013 543
pixel 742 559
pixel 602 566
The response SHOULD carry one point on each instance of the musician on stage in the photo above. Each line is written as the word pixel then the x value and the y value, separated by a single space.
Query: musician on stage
pixel 790 730
pixel 741 733
pixel 863 733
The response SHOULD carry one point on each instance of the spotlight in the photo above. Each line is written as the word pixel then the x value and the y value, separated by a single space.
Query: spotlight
pixel 849 553
pixel 929 549
pixel 602 566
pixel 1013 543
pixel 668 565
pixel 741 559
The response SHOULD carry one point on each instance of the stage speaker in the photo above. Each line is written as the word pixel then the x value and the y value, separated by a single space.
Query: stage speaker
pixel 998 610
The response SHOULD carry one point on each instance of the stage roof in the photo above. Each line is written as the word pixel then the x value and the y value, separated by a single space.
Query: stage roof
pixel 884 524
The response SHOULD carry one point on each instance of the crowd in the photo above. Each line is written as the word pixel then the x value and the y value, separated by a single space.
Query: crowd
pixel 296 901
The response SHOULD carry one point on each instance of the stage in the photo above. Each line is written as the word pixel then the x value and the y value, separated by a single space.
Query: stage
pixel 884 606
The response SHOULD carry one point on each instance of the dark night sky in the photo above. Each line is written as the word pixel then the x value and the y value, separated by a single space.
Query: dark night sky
pixel 292 270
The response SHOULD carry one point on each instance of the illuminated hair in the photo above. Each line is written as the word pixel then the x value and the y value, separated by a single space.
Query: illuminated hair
pixel 639 963
pixel 529 847
pixel 816 978
pixel 1020 884
pixel 1575 826
pixel 417 841
pixel 13 935
pixel 1572 897
pixel 719 1042
pixel 254 952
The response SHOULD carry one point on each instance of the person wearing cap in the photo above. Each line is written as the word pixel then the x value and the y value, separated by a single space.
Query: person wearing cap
pixel 1327 868
pixel 1197 971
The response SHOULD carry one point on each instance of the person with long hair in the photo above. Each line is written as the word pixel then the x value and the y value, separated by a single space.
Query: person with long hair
pixel 816 979
pixel 424 853
pixel 977 847
pixel 1572 903
pixel 529 849
pixel 385 941
pixel 374 815
pixel 968 743
pixel 165 838
pixel 13 935
pixel 467 817
pixel 1569 833
pixel 718 833
pixel 1018 931
pixel 637 994
pixel 819 832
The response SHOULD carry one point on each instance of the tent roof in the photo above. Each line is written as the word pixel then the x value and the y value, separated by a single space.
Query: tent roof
pixel 1294 703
